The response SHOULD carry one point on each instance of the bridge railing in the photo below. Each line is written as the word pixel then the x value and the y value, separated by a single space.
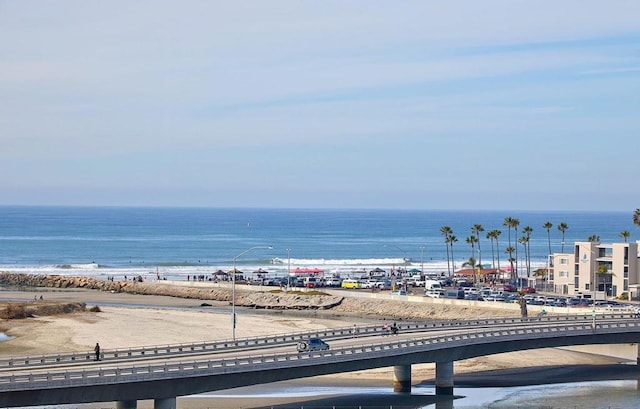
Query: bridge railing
pixel 248 364
pixel 145 352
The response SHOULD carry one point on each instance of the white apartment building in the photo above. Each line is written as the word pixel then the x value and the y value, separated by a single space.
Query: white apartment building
pixel 597 270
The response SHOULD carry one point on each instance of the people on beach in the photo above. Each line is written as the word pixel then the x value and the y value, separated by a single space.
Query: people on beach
pixel 97 351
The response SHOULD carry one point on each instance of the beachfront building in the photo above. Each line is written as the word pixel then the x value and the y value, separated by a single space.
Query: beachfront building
pixel 597 270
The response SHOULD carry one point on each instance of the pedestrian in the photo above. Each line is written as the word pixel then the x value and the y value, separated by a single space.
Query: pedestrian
pixel 97 351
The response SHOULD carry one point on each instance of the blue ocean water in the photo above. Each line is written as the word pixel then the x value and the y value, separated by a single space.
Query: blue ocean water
pixel 175 242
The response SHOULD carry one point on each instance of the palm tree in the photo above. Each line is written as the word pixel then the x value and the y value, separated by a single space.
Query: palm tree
pixel 563 227
pixel 625 235
pixel 524 240
pixel 476 230
pixel 509 250
pixel 527 230
pixel 471 240
pixel 446 231
pixel 636 217
pixel 594 238
pixel 512 222
pixel 496 234
pixel 508 223
pixel 547 226
pixel 452 239
pixel 516 223
pixel 471 263
pixel 491 235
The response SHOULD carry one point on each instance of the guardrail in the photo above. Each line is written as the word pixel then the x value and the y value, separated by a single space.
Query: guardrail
pixel 165 371
pixel 147 352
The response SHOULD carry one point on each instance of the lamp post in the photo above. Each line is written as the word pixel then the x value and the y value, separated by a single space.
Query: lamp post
pixel 404 256
pixel 422 260
pixel 233 285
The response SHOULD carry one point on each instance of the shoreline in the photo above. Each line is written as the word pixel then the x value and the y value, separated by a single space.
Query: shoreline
pixel 163 320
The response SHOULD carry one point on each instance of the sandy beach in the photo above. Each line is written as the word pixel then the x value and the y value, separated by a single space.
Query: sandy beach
pixel 127 320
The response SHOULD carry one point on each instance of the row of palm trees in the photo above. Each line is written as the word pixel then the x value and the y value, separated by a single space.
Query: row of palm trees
pixel 493 235
pixel 512 249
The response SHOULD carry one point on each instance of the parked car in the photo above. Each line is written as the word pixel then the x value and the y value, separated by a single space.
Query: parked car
pixel 528 290
pixel 399 292
pixel 333 282
pixel 509 288
pixel 312 344
pixel 457 294
pixel 434 293
pixel 498 298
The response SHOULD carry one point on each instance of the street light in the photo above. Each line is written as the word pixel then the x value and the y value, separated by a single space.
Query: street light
pixel 404 256
pixel 422 260
pixel 233 285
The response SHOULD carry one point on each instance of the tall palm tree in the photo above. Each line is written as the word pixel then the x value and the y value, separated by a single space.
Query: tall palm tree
pixel 446 231
pixel 452 239
pixel 636 217
pixel 508 223
pixel 594 238
pixel 491 235
pixel 547 226
pixel 625 235
pixel 527 230
pixel 496 234
pixel 476 230
pixel 516 223
pixel 563 227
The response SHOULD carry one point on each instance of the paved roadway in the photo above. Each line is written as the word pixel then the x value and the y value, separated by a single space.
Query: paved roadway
pixel 278 344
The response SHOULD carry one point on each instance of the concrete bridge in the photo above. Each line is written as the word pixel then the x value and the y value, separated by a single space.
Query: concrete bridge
pixel 165 373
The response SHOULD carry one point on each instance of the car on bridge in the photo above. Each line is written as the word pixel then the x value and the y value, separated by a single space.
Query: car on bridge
pixel 312 344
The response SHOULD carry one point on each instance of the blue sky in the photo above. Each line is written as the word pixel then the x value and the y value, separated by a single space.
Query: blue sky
pixel 359 104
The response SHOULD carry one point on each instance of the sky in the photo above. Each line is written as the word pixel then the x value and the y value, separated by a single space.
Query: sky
pixel 489 105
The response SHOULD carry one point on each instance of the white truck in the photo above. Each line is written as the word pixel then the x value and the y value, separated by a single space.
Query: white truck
pixel 415 281
pixel 432 285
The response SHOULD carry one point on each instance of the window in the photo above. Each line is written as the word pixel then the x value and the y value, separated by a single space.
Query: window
pixel 564 261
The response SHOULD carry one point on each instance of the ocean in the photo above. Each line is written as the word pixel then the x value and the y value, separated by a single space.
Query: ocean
pixel 107 242
pixel 176 242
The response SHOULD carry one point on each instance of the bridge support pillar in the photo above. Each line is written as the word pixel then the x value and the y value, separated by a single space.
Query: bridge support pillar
pixel 168 403
pixel 402 378
pixel 444 378
pixel 126 404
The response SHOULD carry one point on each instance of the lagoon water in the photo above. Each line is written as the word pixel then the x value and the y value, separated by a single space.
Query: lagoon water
pixel 582 395
pixel 176 242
